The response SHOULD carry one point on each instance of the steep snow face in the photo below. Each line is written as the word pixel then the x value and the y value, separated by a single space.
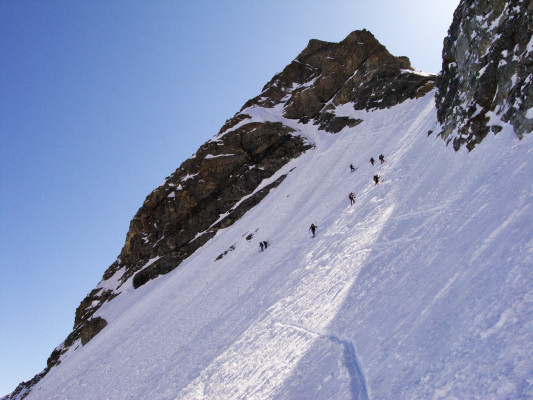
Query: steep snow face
pixel 421 289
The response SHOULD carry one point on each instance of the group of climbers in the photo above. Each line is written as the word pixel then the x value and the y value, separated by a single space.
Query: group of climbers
pixel 382 160
pixel 351 196
pixel 376 177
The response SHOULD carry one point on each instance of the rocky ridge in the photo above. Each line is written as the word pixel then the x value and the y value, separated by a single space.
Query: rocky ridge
pixel 357 70
pixel 487 71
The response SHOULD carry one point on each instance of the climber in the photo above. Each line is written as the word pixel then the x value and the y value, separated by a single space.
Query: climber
pixel 381 158
pixel 352 168
pixel 372 160
pixel 265 243
pixel 376 178
pixel 312 229
pixel 261 245
pixel 352 198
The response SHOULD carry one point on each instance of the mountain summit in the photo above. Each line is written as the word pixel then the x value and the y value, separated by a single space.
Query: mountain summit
pixel 358 70
pixel 421 289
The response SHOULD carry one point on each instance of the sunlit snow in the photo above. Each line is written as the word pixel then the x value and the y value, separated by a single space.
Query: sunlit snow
pixel 420 290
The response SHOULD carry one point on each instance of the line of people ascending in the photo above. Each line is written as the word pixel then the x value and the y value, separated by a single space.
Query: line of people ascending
pixel 381 158
pixel 351 196
pixel 372 161
pixel 376 177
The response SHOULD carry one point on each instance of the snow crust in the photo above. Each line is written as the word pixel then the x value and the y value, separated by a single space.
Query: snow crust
pixel 421 290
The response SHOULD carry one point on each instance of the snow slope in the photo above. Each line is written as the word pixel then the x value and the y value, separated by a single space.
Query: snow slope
pixel 421 290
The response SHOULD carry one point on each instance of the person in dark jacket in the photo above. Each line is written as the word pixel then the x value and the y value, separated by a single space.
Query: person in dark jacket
pixel 352 168
pixel 381 158
pixel 352 198
pixel 376 178
pixel 313 229
pixel 372 160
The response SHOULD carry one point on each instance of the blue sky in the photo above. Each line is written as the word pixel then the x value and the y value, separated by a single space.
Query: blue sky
pixel 100 101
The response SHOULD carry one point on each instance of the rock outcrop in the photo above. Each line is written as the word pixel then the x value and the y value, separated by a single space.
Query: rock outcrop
pixel 487 71
pixel 357 70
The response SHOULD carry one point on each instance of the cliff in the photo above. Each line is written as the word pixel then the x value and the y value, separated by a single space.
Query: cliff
pixel 486 77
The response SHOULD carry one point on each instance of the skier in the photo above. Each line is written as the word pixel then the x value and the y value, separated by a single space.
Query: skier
pixel 352 168
pixel 265 243
pixel 372 160
pixel 376 178
pixel 381 158
pixel 352 198
pixel 312 229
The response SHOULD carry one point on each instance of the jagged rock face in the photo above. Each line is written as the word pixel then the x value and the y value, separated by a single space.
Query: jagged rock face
pixel 358 69
pixel 182 215
pixel 487 71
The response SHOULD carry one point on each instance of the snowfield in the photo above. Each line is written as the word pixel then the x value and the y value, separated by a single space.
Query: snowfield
pixel 420 290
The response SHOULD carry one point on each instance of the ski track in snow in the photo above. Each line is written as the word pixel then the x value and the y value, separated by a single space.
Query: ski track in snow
pixel 428 275
pixel 357 379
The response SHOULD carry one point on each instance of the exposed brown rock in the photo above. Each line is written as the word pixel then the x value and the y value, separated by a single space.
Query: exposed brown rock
pixel 91 328
pixel 358 69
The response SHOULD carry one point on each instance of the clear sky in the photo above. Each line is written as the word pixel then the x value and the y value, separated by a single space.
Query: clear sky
pixel 100 101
